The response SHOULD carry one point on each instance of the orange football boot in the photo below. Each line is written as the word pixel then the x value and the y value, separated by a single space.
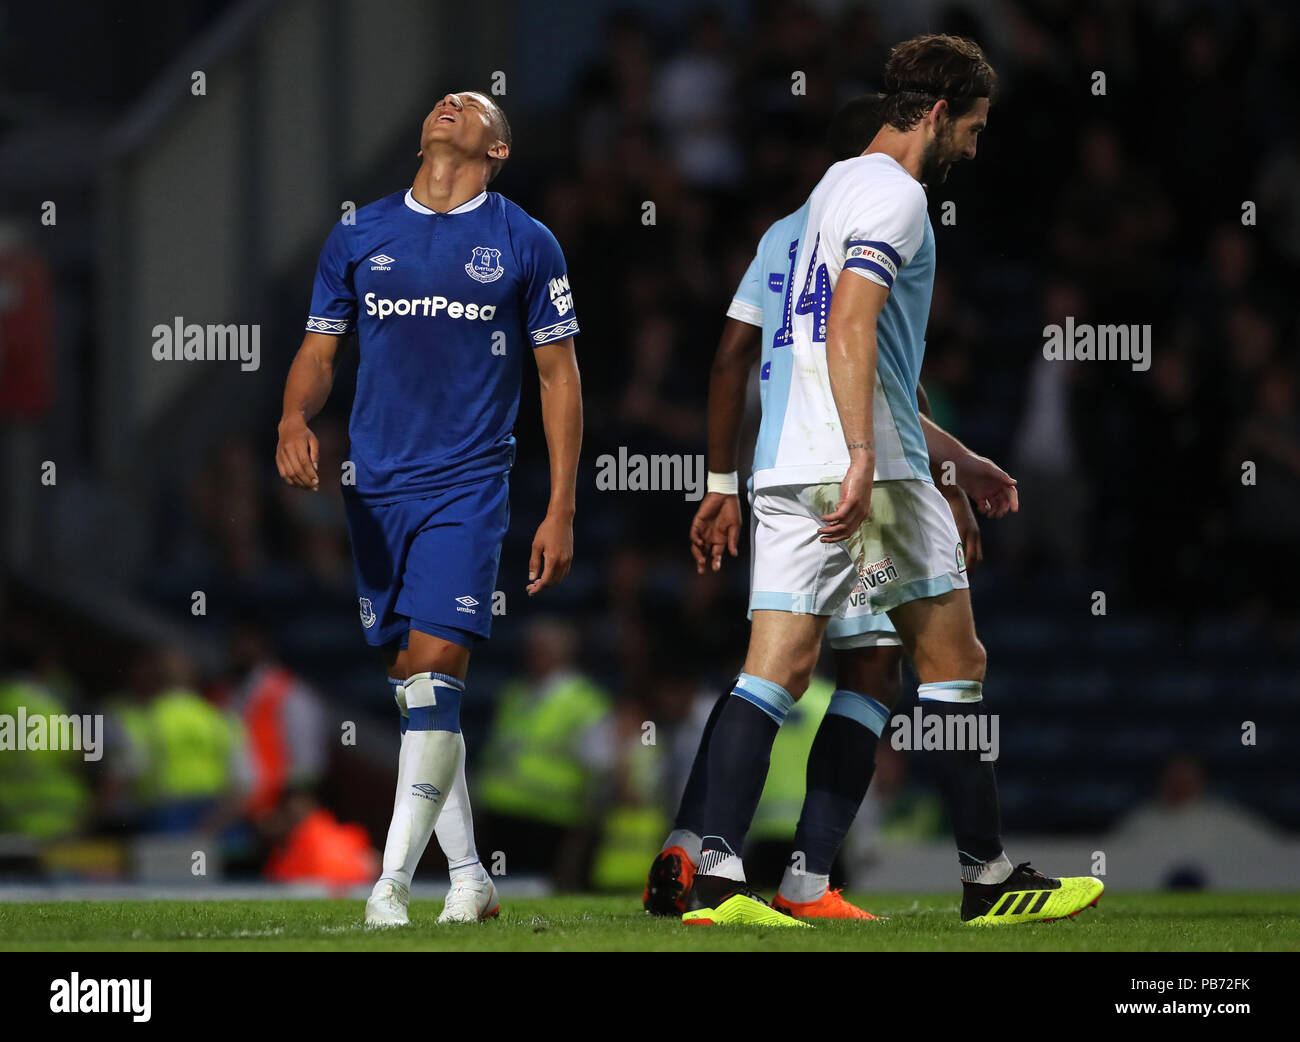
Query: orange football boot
pixel 671 877
pixel 831 905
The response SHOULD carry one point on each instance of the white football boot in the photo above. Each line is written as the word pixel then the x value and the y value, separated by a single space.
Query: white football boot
pixel 387 904
pixel 470 900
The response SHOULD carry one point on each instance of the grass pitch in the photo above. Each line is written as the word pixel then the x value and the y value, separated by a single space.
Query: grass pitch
pixel 1121 922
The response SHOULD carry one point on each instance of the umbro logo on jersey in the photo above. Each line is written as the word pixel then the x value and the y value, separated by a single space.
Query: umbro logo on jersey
pixel 467 604
pixel 381 262
pixel 426 791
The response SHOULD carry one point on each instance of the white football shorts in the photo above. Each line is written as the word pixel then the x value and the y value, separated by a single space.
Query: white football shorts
pixel 906 550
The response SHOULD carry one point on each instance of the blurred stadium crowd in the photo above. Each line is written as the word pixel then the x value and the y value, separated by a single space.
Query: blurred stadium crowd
pixel 1125 207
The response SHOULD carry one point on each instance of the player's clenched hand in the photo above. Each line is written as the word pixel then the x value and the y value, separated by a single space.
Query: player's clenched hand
pixel 716 528
pixel 854 506
pixel 990 487
pixel 298 454
pixel 552 553
pixel 968 529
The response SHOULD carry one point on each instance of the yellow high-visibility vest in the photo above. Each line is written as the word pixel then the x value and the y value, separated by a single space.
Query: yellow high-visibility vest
pixel 632 837
pixel 531 767
pixel 191 743
pixel 43 792
pixel 634 829
pixel 778 811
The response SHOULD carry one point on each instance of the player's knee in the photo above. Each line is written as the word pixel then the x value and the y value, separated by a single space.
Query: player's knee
pixel 790 669
pixel 429 654
pixel 885 687
pixel 794 679
pixel 443 664
pixel 800 672
pixel 969 662
pixel 394 661
pixel 870 671
pixel 964 661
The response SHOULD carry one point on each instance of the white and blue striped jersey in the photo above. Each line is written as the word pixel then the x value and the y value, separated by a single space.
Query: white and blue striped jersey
pixel 868 215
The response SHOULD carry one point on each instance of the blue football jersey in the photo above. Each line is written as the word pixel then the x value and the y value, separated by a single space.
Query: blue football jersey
pixel 444 305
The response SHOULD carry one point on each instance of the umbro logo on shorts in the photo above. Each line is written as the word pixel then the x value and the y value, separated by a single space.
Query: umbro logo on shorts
pixel 426 791
pixel 467 604
pixel 1021 901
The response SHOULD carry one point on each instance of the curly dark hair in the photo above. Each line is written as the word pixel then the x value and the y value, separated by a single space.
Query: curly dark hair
pixel 926 69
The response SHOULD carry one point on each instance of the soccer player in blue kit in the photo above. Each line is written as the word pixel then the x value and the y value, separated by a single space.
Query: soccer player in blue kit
pixel 446 284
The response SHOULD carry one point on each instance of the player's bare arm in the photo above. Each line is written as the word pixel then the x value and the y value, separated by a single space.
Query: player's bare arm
pixel 557 370
pixel 968 528
pixel 716 526
pixel 991 487
pixel 851 365
pixel 311 376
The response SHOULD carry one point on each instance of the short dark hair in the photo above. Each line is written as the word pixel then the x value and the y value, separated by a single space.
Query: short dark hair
pixel 934 67
pixel 854 125
pixel 501 126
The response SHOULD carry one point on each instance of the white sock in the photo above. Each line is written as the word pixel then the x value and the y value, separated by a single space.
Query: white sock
pixel 803 886
pixel 991 872
pixel 426 770
pixel 686 839
pixel 722 863
pixel 455 827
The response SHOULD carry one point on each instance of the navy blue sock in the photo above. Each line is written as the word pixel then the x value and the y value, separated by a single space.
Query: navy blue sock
pixel 967 782
pixel 739 754
pixel 690 812
pixel 840 765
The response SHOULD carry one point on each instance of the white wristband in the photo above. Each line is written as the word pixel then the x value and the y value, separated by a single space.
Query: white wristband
pixel 724 484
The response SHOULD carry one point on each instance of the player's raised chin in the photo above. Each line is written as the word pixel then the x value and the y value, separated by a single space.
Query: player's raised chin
pixel 463 121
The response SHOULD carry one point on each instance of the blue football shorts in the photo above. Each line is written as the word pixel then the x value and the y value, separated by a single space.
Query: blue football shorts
pixel 429 564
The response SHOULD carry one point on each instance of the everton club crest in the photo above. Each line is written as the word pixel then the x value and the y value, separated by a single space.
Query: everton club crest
pixel 485 264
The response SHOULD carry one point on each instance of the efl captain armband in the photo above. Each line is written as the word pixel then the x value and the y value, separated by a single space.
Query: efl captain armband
pixel 725 484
